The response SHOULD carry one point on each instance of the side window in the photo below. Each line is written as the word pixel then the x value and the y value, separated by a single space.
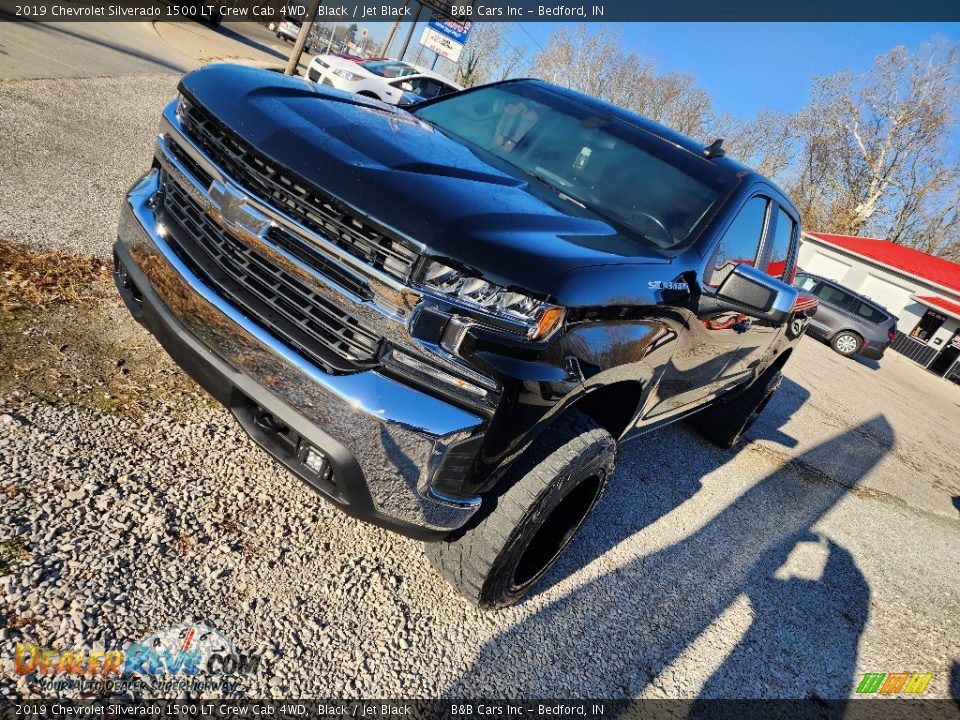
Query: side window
pixel 928 325
pixel 780 245
pixel 424 87
pixel 805 282
pixel 429 88
pixel 740 242
pixel 834 296
pixel 868 311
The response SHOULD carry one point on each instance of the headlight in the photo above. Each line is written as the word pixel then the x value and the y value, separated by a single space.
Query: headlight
pixel 347 75
pixel 182 107
pixel 531 317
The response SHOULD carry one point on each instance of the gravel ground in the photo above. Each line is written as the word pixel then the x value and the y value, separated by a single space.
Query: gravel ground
pixel 825 548
pixel 751 574
pixel 70 150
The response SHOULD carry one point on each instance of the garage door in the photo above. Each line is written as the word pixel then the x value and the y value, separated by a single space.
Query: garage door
pixel 826 266
pixel 893 297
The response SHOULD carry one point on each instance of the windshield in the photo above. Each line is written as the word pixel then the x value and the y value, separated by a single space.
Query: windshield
pixel 389 68
pixel 645 185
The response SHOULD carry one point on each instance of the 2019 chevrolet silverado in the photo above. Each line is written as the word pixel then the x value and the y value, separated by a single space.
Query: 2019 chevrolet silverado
pixel 447 319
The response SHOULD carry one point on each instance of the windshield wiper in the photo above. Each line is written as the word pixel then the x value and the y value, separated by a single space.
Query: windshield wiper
pixel 619 224
pixel 558 188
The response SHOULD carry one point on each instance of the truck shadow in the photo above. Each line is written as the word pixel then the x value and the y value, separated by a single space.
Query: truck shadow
pixel 250 42
pixel 638 617
pixel 665 483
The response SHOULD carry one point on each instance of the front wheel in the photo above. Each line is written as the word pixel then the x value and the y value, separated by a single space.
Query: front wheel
pixel 550 491
pixel 846 343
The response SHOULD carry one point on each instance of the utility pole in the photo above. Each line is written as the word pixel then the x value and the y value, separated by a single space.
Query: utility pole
pixel 384 51
pixel 333 29
pixel 304 33
pixel 406 42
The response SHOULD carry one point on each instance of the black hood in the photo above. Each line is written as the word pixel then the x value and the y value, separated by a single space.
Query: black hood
pixel 412 179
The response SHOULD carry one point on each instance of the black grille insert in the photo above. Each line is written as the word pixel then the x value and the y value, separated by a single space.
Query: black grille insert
pixel 281 303
pixel 275 185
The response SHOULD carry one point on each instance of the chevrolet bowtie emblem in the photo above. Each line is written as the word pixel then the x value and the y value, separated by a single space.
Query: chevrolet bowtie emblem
pixel 231 209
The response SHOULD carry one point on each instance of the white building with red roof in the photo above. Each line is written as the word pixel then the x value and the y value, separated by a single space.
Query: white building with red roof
pixel 923 292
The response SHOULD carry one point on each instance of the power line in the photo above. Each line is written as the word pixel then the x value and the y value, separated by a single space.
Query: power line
pixel 520 25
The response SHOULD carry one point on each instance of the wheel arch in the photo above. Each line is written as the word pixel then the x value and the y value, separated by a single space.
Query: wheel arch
pixel 782 358
pixel 847 330
pixel 614 407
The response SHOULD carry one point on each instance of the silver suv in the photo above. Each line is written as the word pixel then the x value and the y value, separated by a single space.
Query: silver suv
pixel 851 323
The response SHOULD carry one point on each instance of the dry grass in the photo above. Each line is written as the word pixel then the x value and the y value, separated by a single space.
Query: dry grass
pixel 67 339
pixel 30 279
pixel 12 553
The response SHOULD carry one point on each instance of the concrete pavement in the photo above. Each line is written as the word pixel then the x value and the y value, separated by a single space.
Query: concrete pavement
pixel 91 49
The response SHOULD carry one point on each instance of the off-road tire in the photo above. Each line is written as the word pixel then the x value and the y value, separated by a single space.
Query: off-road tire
pixel 486 562
pixel 847 343
pixel 725 423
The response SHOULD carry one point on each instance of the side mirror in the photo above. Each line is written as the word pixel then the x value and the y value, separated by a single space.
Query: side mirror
pixel 756 294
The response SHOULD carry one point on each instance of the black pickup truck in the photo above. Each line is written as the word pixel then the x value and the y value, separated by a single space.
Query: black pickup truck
pixel 445 318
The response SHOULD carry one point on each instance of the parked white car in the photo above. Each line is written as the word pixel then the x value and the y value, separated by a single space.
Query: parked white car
pixel 289 30
pixel 391 81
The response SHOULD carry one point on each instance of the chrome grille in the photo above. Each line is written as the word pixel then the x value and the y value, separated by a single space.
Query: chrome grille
pixel 277 186
pixel 294 313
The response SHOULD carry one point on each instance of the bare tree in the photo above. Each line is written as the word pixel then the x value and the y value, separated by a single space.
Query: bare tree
pixel 928 217
pixel 870 141
pixel 488 56
pixel 596 63
pixel 767 142
pixel 593 63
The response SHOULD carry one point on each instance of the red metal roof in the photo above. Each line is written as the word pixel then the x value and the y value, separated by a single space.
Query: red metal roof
pixel 938 270
pixel 941 303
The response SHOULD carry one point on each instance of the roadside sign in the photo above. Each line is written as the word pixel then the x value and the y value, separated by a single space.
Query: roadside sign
pixel 445 38
pixel 457 32
pixel 440 44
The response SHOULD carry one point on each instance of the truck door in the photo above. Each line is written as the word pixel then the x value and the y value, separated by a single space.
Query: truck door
pixel 777 258
pixel 705 362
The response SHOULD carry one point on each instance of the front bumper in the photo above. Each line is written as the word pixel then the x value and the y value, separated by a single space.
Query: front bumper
pixel 385 441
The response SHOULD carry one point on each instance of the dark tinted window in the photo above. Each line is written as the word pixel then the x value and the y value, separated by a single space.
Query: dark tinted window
pixel 835 296
pixel 869 312
pixel 740 242
pixel 928 325
pixel 609 167
pixel 805 282
pixel 389 68
pixel 780 245
pixel 424 87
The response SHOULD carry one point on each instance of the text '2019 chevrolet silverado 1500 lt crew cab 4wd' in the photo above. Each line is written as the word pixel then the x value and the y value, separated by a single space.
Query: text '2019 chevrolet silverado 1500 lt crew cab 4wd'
pixel 445 320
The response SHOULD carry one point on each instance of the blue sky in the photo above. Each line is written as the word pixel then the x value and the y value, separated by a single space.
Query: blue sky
pixel 748 66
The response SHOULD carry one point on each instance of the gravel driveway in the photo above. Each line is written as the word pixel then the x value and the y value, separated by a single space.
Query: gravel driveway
pixel 825 548
pixel 772 571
